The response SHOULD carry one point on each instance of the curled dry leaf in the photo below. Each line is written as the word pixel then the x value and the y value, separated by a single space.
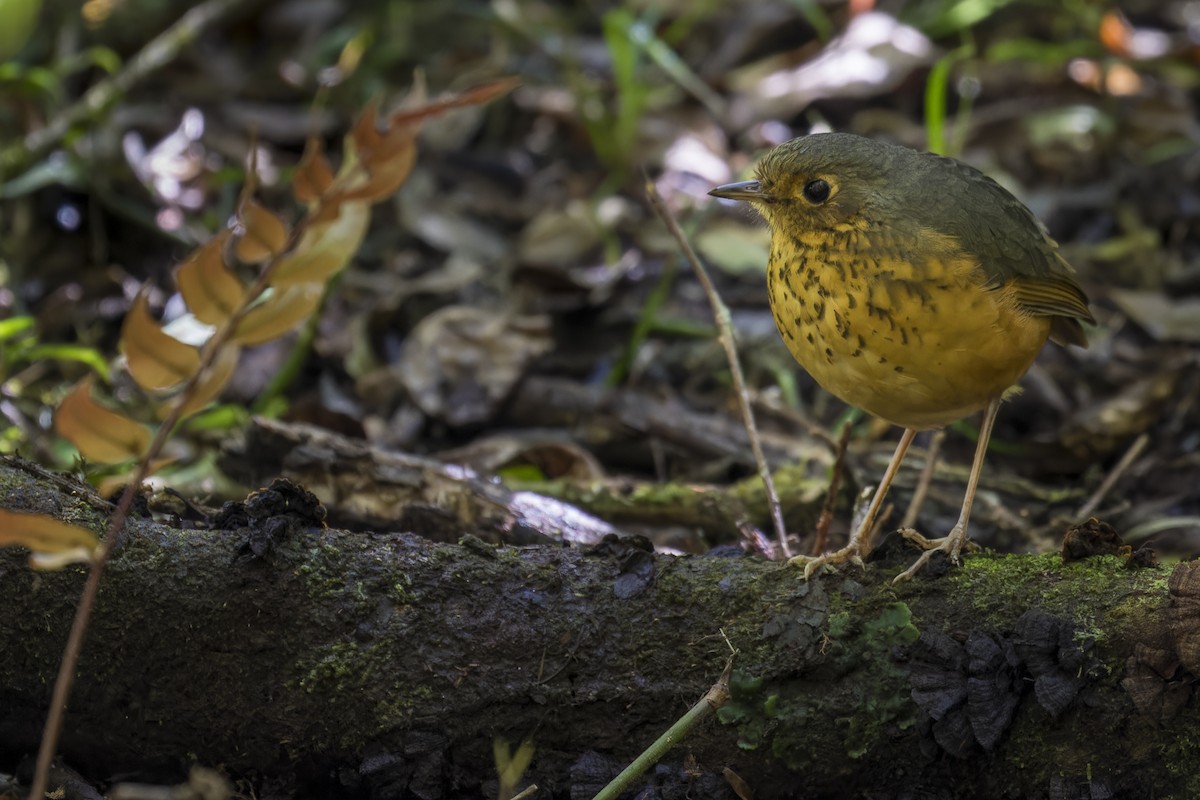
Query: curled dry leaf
pixel 1112 421
pixel 376 164
pixel 874 54
pixel 263 234
pixel 155 360
pixel 329 241
pixel 460 362
pixel 103 436
pixel 314 175
pixel 476 95
pixel 1165 318
pixel 282 310
pixel 55 544
pixel 559 237
pixel 210 289
pixel 545 456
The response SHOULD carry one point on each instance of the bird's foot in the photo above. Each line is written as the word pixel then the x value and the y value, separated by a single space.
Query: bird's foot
pixel 952 544
pixel 851 553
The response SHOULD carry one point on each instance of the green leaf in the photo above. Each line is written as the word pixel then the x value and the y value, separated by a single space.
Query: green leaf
pixel 17 20
pixel 73 352
pixel 14 326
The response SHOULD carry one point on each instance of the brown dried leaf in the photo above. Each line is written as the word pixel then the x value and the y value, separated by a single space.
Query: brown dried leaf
pixel 103 436
pixel 365 134
pixel 279 313
pixel 326 247
pixel 1165 318
pixel 46 536
pixel 314 175
pixel 208 286
pixel 476 95
pixel 387 169
pixel 209 387
pixel 460 363
pixel 264 234
pixel 155 360
pixel 377 163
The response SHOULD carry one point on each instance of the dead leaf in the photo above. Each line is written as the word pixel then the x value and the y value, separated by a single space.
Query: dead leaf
pixel 99 434
pixel 559 237
pixel 550 456
pixel 460 362
pixel 210 289
pixel 382 167
pixel 326 247
pixel 42 533
pixel 1165 318
pixel 376 163
pixel 282 311
pixel 871 56
pixel 483 93
pixel 155 360
pixel 314 175
pixel 55 543
pixel 263 234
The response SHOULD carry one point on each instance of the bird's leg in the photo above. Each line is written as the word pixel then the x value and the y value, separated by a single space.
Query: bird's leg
pixel 952 544
pixel 853 549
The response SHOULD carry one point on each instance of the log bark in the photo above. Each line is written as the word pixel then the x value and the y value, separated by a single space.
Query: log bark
pixel 316 662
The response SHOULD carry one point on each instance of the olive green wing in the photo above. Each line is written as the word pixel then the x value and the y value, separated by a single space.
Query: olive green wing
pixel 1013 248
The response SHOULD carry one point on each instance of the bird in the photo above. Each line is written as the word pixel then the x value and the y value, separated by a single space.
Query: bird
pixel 910 285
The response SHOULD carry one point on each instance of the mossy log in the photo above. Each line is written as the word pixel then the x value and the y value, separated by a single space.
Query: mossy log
pixel 315 662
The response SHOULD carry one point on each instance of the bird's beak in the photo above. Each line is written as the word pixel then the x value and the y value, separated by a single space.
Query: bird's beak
pixel 745 190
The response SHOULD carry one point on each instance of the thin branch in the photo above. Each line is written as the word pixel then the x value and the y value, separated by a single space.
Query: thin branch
pixel 113 537
pixel 725 335
pixel 923 482
pixel 839 466
pixel 706 706
pixel 1110 480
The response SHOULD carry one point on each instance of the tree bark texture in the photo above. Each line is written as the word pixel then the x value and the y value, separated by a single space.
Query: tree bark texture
pixel 315 662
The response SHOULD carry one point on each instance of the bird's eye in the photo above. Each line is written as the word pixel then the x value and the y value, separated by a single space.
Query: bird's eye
pixel 817 191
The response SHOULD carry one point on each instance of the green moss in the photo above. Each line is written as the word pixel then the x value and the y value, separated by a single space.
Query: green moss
pixel 867 706
pixel 884 701
pixel 324 572
pixel 397 711
pixel 1179 756
pixel 998 584
pixel 401 592
pixel 332 670
pixel 747 709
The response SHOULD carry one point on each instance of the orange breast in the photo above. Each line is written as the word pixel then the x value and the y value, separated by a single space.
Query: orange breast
pixel 918 341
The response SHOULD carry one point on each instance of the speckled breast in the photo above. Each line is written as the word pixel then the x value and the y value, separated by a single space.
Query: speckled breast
pixel 918 341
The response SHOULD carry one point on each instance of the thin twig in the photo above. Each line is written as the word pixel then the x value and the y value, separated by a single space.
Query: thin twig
pixel 884 515
pixel 725 335
pixel 1110 480
pixel 922 488
pixel 1155 526
pixel 713 699
pixel 113 537
pixel 160 51
pixel 839 466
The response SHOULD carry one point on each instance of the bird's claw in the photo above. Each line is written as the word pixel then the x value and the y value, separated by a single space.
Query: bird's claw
pixel 952 545
pixel 813 564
